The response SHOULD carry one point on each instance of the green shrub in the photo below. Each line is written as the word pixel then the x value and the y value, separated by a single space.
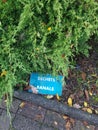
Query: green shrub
pixel 42 36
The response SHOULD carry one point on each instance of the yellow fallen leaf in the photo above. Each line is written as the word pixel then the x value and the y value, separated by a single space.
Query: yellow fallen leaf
pixel 22 104
pixel 58 97
pixel 89 110
pixel 65 117
pixel 96 111
pixel 3 73
pixel 94 75
pixel 49 96
pixel 49 29
pixel 88 82
pixel 90 93
pixel 69 101
pixel 72 46
pixel 88 127
pixel 37 49
pixel 5 101
pixel 85 104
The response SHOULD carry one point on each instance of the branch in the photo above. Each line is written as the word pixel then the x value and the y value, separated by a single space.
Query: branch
pixel 57 107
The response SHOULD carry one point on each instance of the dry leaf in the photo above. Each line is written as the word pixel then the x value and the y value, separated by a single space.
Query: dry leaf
pixel 89 110
pixel 22 104
pixel 69 101
pixel 90 93
pixel 86 94
pixel 94 75
pixel 58 97
pixel 72 46
pixel 88 126
pixel 63 55
pixel 93 88
pixel 92 127
pixel 4 1
pixel 85 123
pixel 3 73
pixel 49 96
pixel 55 122
pixel 65 117
pixel 96 111
pixel 85 104
pixel 27 88
pixel 83 75
pixel 88 82
pixel 49 29
pixel 5 101
pixel 84 109
pixel 38 116
pixel 72 121
pixel 72 96
pixel 68 125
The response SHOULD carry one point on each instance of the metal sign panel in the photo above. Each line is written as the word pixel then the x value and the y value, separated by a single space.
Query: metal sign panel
pixel 46 84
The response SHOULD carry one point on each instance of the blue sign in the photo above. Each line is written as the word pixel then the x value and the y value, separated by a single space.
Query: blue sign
pixel 46 84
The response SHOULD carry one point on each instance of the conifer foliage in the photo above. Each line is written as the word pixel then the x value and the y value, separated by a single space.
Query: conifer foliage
pixel 42 36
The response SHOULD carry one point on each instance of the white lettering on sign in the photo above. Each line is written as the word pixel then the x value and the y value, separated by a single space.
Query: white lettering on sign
pixel 45 88
pixel 46 79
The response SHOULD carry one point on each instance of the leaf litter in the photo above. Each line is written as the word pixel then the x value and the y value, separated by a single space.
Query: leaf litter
pixel 82 82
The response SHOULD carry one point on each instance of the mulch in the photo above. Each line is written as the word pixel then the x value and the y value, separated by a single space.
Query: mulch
pixel 82 82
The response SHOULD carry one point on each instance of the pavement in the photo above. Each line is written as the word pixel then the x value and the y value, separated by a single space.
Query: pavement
pixel 27 116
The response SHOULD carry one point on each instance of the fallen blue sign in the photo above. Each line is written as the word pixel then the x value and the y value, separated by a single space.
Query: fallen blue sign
pixel 46 84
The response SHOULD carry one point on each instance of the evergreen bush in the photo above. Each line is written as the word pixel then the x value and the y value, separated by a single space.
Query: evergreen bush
pixel 42 36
